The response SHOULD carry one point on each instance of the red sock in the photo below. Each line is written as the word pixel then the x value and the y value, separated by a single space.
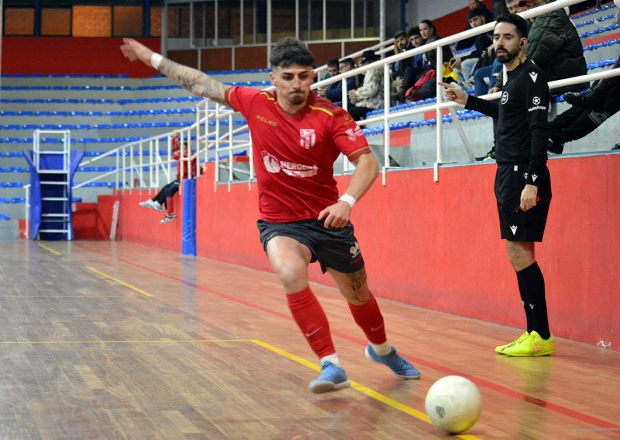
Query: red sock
pixel 170 205
pixel 369 318
pixel 312 322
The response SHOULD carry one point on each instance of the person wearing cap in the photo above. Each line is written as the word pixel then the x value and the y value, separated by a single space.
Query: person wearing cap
pixel 369 96
pixel 554 45
pixel 522 180
pixel 296 138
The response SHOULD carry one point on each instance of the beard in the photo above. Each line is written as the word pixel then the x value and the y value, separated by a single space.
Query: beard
pixel 507 57
pixel 297 98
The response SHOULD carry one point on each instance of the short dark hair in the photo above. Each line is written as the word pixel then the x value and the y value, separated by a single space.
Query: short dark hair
pixel 517 21
pixel 399 34
pixel 476 12
pixel 289 51
pixel 348 61
pixel 413 31
pixel 333 62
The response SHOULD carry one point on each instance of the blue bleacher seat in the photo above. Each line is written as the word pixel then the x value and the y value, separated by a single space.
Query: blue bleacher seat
pixel 5 217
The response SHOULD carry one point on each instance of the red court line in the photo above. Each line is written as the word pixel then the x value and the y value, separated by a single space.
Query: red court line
pixel 602 39
pixel 480 382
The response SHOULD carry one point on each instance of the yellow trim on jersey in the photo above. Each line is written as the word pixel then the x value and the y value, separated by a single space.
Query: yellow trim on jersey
pixel 322 109
pixel 353 153
pixel 269 97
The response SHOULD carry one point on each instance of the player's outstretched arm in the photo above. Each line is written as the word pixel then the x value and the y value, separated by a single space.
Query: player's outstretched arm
pixel 197 82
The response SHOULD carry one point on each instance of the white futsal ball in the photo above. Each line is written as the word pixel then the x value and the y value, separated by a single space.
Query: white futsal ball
pixel 453 404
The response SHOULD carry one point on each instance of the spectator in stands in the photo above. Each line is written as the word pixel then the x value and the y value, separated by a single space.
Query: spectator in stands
pixel 554 45
pixel 499 8
pixel 333 91
pixel 522 182
pixel 159 201
pixel 488 18
pixel 415 67
pixel 302 218
pixel 589 110
pixel 369 96
pixel 345 65
pixel 430 35
pixel 401 44
pixel 465 66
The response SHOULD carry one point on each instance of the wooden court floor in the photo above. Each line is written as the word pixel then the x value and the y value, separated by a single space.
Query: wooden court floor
pixel 104 340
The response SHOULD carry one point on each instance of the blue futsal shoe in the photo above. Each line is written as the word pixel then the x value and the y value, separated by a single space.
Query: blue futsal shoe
pixel 332 378
pixel 399 365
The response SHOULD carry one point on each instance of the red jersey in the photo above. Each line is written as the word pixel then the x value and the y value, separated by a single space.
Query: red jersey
pixel 294 154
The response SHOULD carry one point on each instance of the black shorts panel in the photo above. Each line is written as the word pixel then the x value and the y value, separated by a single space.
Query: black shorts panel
pixel 516 225
pixel 335 248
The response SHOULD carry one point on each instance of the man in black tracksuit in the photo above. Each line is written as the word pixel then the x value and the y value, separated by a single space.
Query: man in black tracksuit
pixel 522 183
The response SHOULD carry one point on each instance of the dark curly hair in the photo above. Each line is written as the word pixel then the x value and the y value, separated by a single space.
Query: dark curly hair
pixel 289 51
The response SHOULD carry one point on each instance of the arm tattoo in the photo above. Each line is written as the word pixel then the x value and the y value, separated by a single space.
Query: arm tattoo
pixel 198 83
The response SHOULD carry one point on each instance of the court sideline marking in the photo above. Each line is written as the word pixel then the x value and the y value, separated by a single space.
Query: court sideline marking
pixel 478 381
pixel 356 386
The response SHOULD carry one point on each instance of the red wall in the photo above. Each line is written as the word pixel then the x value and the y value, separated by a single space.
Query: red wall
pixel 141 225
pixel 93 221
pixel 456 21
pixel 437 245
pixel 78 55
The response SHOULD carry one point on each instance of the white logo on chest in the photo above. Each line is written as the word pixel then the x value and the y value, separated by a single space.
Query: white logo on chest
pixel 504 97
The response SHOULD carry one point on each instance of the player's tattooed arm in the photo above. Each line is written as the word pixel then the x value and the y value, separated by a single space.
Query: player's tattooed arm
pixel 197 82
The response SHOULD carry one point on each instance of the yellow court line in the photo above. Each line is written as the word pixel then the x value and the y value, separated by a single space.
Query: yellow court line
pixel 370 393
pixel 122 283
pixel 49 249
pixel 362 389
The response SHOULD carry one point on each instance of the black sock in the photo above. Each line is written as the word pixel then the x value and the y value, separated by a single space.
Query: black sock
pixel 531 278
pixel 529 315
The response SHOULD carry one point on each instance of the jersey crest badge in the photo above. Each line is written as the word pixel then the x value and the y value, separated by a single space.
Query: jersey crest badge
pixel 307 137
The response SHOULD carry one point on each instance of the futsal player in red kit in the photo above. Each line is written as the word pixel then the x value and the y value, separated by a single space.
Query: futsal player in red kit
pixel 296 137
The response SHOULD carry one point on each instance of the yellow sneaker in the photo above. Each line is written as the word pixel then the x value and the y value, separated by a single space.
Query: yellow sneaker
pixel 500 349
pixel 533 346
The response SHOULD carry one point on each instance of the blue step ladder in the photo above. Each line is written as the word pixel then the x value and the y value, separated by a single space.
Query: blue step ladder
pixel 51 173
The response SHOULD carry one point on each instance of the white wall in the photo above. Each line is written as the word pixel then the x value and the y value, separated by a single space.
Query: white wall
pixel 418 10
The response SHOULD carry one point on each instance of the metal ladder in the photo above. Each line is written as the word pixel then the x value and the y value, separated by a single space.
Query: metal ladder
pixel 58 176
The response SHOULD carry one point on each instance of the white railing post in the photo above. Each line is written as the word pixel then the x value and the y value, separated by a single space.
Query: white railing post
pixel 439 113
pixel 386 116
pixel 27 213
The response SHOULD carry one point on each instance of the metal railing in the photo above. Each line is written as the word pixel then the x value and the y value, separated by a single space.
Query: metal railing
pixel 219 139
